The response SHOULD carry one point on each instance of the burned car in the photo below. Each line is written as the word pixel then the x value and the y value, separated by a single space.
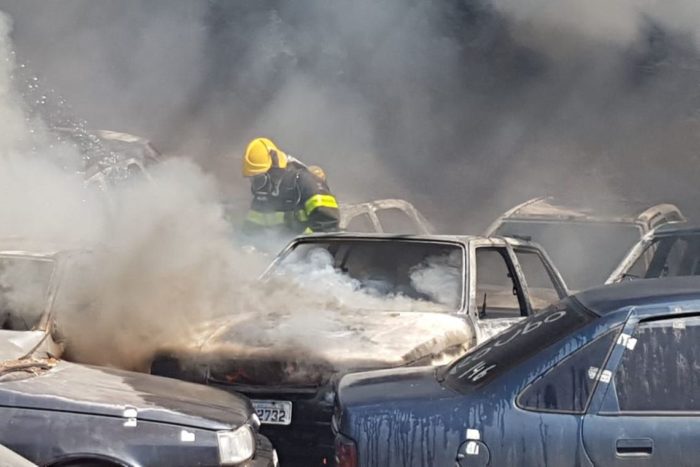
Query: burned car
pixel 671 250
pixel 383 302
pixel 110 156
pixel 383 216
pixel 57 413
pixel 606 378
pixel 586 245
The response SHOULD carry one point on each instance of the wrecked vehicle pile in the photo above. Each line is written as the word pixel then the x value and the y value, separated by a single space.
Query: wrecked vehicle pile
pixel 384 302
pixel 61 413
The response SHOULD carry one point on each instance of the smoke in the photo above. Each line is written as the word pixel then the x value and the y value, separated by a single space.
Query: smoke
pixel 160 254
pixel 155 256
pixel 438 277
pixel 479 103
pixel 463 107
pixel 621 23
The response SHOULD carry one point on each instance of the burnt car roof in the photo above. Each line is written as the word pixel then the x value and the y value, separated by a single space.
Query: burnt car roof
pixel 427 237
pixel 609 210
pixel 609 298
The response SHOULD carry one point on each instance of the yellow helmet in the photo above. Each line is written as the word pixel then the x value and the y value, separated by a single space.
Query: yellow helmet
pixel 318 171
pixel 260 156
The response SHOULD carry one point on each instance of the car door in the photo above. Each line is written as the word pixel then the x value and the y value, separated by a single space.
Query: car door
pixel 649 405
pixel 500 300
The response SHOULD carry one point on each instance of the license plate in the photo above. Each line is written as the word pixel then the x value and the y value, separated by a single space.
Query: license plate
pixel 273 412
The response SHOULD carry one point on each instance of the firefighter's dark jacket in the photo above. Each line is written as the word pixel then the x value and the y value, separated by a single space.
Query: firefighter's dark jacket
pixel 292 199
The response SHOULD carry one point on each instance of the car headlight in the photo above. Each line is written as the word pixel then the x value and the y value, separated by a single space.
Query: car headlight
pixel 236 446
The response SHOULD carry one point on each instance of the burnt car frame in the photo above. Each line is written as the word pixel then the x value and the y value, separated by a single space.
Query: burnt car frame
pixel 598 379
pixel 585 244
pixel 57 413
pixel 304 437
pixel 383 216
pixel 110 156
pixel 671 250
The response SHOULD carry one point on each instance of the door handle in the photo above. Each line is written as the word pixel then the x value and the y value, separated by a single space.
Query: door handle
pixel 635 447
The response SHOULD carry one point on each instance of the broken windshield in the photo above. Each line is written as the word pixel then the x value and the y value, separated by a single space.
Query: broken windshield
pixel 383 274
pixel 584 252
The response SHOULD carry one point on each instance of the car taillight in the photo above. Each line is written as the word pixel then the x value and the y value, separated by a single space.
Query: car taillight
pixel 345 452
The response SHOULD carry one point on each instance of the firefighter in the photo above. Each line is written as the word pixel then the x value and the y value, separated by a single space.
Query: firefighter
pixel 287 197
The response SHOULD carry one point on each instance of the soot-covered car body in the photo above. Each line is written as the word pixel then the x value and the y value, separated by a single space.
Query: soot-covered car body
pixel 671 250
pixel 404 301
pixel 54 412
pixel 605 377
pixel 585 244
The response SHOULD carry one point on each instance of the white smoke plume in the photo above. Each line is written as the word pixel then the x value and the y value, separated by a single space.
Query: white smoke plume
pixel 160 257
pixel 463 107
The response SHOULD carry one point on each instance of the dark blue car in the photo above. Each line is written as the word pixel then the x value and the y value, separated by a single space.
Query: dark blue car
pixel 607 377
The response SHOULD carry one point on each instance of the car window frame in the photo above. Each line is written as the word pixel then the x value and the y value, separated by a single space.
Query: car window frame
pixel 639 227
pixel 605 405
pixel 418 229
pixel 609 401
pixel 516 273
pixel 553 274
pixel 613 330
pixel 467 259
pixel 358 215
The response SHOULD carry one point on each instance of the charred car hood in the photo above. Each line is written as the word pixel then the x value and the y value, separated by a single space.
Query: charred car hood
pixel 304 349
pixel 68 387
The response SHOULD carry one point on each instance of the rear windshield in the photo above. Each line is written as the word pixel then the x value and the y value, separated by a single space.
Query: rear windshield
pixel 395 274
pixel 584 252
pixel 520 342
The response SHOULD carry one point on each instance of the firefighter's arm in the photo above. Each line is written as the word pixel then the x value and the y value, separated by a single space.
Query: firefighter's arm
pixel 320 207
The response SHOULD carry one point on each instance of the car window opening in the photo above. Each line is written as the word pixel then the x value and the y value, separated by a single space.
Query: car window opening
pixel 429 274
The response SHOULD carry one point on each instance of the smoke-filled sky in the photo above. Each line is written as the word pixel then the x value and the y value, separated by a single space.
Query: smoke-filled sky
pixel 464 107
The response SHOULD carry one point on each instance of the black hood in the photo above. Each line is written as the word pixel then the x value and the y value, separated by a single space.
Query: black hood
pixel 102 391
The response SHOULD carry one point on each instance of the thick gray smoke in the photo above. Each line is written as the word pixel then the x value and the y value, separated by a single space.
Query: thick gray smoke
pixel 156 255
pixel 619 23
pixel 464 107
